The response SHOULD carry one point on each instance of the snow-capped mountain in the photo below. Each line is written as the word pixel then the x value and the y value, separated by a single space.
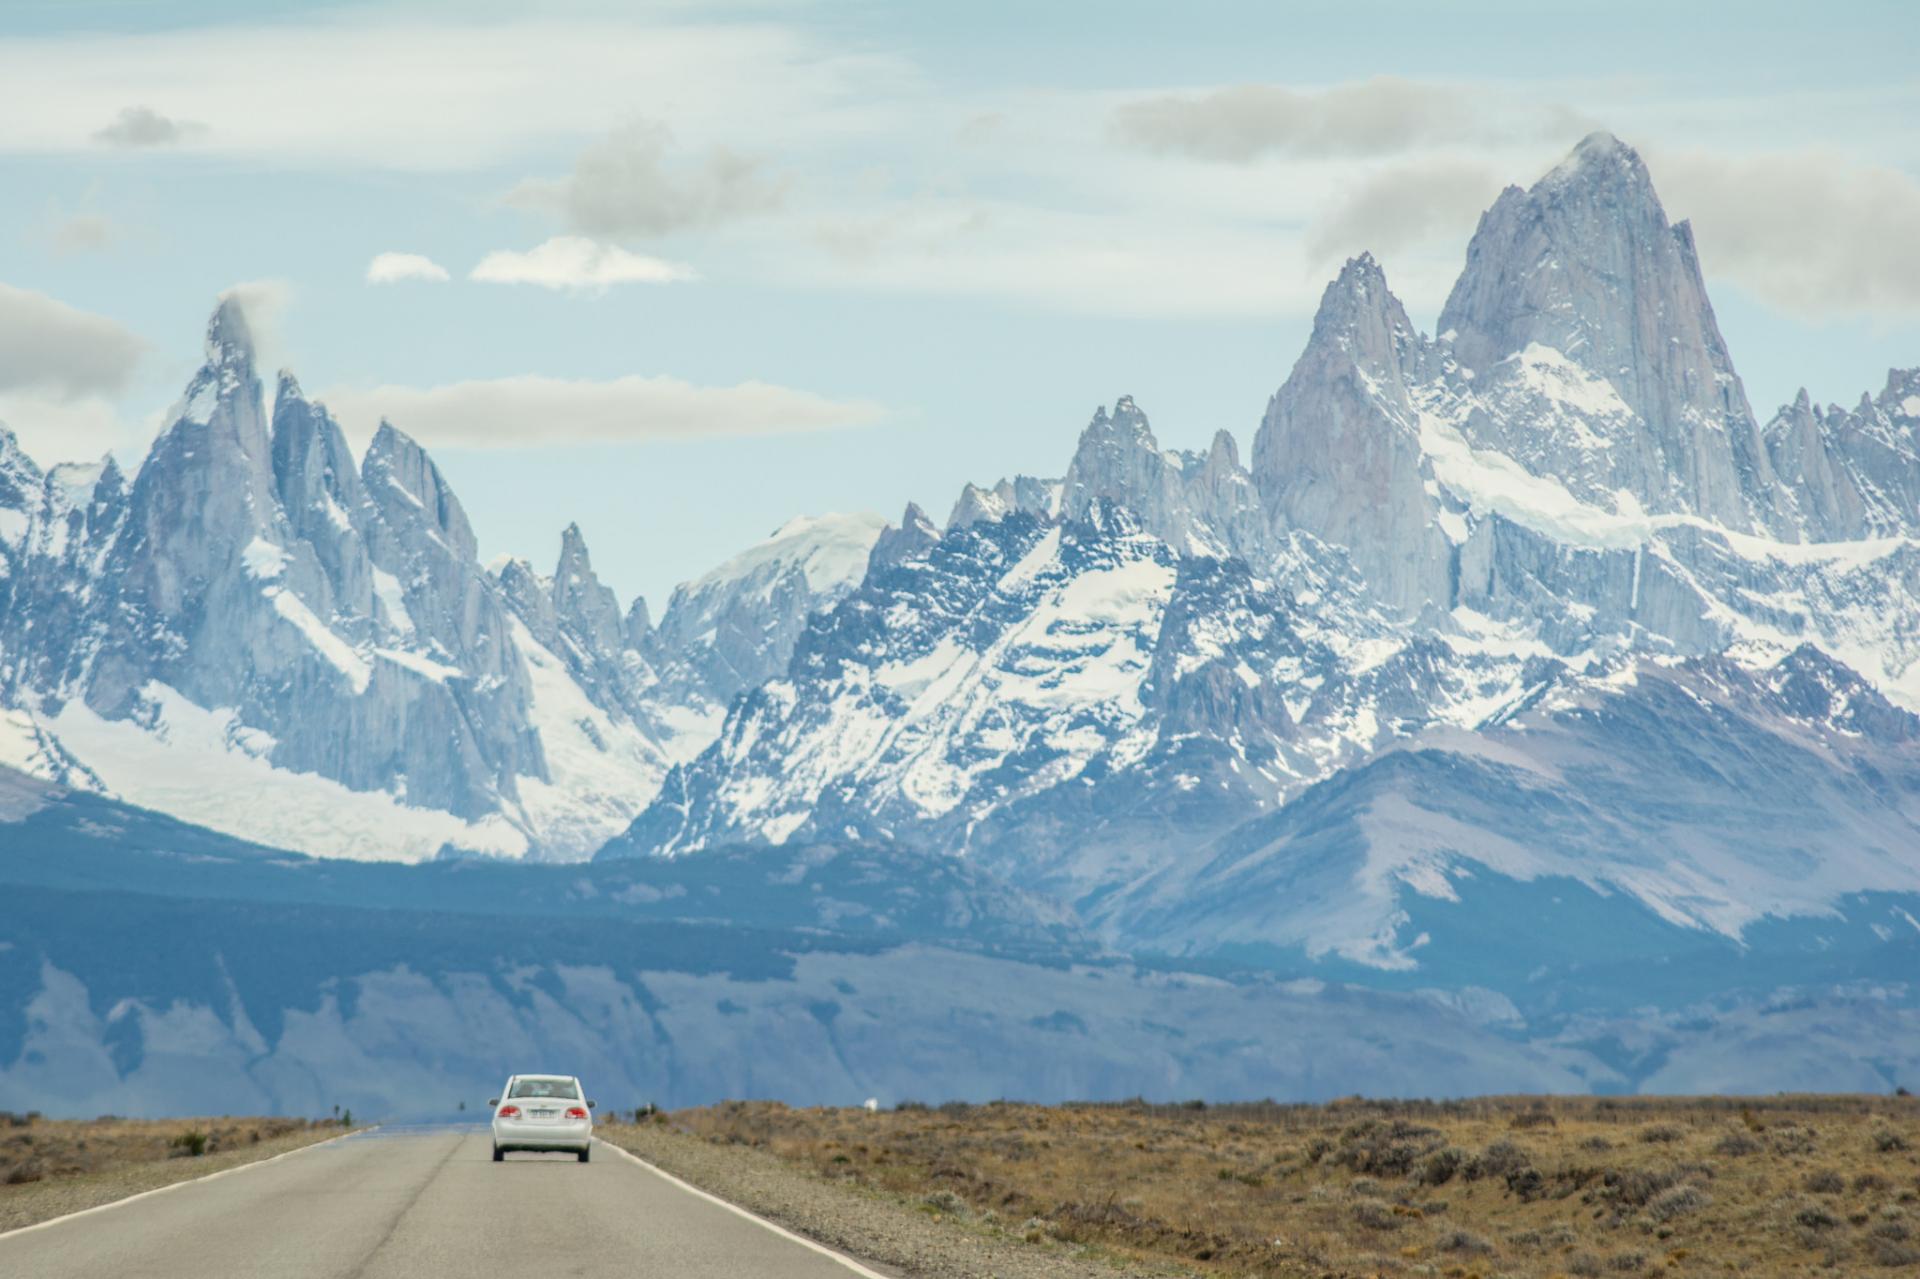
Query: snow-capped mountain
pixel 1093 684
pixel 265 636
pixel 1490 560
pixel 1518 676
pixel 735 627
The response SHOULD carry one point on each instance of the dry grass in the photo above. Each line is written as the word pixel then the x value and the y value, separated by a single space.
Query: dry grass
pixel 1500 1186
pixel 49 1167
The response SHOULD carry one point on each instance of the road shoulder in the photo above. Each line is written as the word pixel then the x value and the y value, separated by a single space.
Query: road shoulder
pixel 39 1202
pixel 908 1238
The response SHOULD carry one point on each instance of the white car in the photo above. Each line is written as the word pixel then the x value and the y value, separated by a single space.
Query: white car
pixel 542 1112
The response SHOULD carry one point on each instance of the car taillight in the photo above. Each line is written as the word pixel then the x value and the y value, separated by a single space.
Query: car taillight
pixel 509 1112
pixel 576 1112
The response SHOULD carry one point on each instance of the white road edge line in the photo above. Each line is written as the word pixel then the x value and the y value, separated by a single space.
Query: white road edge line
pixel 191 1181
pixel 738 1211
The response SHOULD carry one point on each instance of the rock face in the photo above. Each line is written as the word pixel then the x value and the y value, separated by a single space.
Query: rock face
pixel 735 627
pixel 1853 474
pixel 1200 505
pixel 257 601
pixel 259 604
pixel 1518 670
pixel 1088 685
pixel 1584 267
pixel 1339 453
pixel 1438 540
pixel 896 545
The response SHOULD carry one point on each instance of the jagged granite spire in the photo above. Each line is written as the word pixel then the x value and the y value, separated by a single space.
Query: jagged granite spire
pixel 1201 505
pixel 319 490
pixel 408 490
pixel 639 623
pixel 1586 264
pixel 1338 454
pixel 914 535
pixel 1852 473
pixel 587 611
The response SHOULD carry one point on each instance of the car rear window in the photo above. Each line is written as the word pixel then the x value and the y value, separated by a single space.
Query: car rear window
pixel 558 1089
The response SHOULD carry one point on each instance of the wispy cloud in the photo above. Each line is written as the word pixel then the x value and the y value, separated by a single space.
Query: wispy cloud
pixel 50 348
pixel 1395 208
pixel 58 428
pixel 576 264
pixel 138 127
pixel 394 268
pixel 433 94
pixel 519 412
pixel 1242 123
pixel 625 186
pixel 82 233
pixel 1808 231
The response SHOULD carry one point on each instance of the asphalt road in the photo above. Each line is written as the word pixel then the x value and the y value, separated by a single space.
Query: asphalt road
pixel 417 1204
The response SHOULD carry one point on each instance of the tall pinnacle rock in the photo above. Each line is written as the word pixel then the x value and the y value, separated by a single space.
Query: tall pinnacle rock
pixel 319 490
pixel 205 492
pixel 586 610
pixel 914 535
pixel 1339 454
pixel 1585 263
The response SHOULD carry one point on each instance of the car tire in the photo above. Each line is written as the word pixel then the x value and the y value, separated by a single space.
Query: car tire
pixel 585 1151
pixel 499 1155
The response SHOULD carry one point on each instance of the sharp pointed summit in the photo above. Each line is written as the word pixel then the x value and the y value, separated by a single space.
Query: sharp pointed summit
pixel 1339 453
pixel 229 336
pixel 1585 265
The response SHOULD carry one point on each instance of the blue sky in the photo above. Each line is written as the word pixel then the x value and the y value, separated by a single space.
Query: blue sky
pixel 742 262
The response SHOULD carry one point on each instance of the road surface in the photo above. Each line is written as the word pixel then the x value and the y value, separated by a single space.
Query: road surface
pixel 417 1204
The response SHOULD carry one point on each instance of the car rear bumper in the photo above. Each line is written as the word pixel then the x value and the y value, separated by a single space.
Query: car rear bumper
pixel 519 1135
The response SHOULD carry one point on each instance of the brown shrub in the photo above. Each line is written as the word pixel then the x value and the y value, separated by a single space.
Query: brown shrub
pixel 1825 1181
pixel 1375 1215
pixel 1677 1201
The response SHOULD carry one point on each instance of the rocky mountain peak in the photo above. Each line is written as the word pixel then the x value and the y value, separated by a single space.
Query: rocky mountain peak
pixel 19 474
pixel 639 623
pixel 229 337
pixel 1339 454
pixel 1585 264
pixel 897 544
pixel 976 504
pixel 1602 160
pixel 587 610
pixel 1901 398
pixel 1223 454
pixel 403 482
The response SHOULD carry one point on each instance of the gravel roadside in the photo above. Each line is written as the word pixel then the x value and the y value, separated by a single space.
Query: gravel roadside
pixel 891 1234
pixel 38 1201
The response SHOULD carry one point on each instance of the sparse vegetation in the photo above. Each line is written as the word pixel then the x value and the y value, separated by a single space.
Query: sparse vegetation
pixel 52 1166
pixel 1588 1187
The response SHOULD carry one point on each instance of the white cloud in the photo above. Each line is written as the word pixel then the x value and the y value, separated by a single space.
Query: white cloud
pixel 53 429
pixel 1392 209
pixel 624 185
pixel 1243 123
pixel 138 127
pixel 1807 231
pixel 52 349
pixel 436 95
pixel 532 411
pixel 83 233
pixel 576 264
pixel 392 268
